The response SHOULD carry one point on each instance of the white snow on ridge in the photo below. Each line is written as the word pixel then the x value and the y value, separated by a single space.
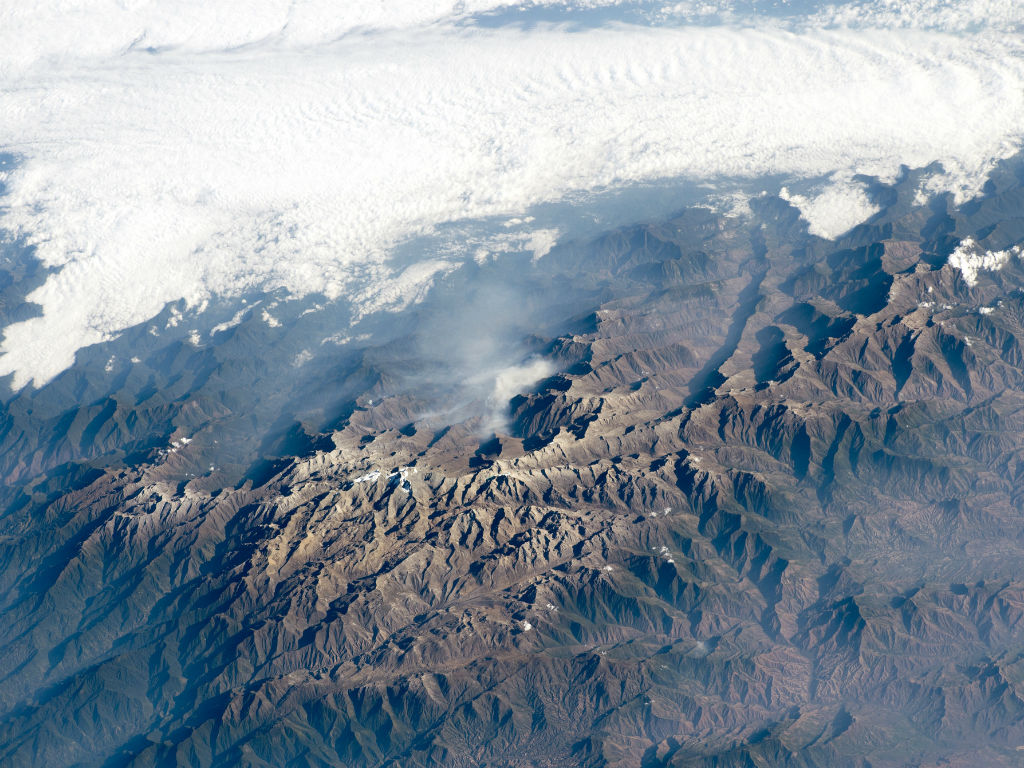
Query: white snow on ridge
pixel 181 150
pixel 401 474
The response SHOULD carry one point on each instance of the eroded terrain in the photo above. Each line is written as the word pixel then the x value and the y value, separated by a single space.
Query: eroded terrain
pixel 766 512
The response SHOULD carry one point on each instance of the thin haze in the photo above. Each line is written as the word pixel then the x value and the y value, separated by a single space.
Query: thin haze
pixel 187 150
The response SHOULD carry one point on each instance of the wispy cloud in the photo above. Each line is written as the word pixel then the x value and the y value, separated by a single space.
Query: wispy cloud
pixel 509 382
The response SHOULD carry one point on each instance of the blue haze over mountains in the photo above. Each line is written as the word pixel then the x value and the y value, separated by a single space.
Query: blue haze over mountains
pixel 115 655
pixel 668 470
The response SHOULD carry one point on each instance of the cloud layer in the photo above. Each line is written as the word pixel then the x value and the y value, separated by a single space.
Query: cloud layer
pixel 180 151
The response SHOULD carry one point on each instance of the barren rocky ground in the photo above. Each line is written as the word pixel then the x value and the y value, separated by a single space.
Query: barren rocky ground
pixel 766 511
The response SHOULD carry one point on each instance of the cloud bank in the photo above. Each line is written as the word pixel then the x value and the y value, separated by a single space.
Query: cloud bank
pixel 182 150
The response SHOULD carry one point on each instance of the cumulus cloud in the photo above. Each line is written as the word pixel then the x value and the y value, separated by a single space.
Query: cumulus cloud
pixel 835 209
pixel 970 260
pixel 182 150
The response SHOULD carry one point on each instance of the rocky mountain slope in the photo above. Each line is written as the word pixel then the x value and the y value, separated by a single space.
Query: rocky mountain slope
pixel 766 512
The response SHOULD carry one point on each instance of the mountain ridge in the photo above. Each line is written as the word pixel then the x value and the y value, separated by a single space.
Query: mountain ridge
pixel 764 512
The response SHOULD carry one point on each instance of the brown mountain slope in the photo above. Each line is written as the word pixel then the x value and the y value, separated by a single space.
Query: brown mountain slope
pixel 767 513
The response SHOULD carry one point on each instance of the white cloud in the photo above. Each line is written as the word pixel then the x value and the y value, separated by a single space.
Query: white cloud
pixel 92 29
pixel 509 382
pixel 178 150
pixel 958 15
pixel 838 207
pixel 970 260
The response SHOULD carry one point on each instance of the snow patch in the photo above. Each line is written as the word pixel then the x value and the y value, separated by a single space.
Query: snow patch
pixel 401 475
